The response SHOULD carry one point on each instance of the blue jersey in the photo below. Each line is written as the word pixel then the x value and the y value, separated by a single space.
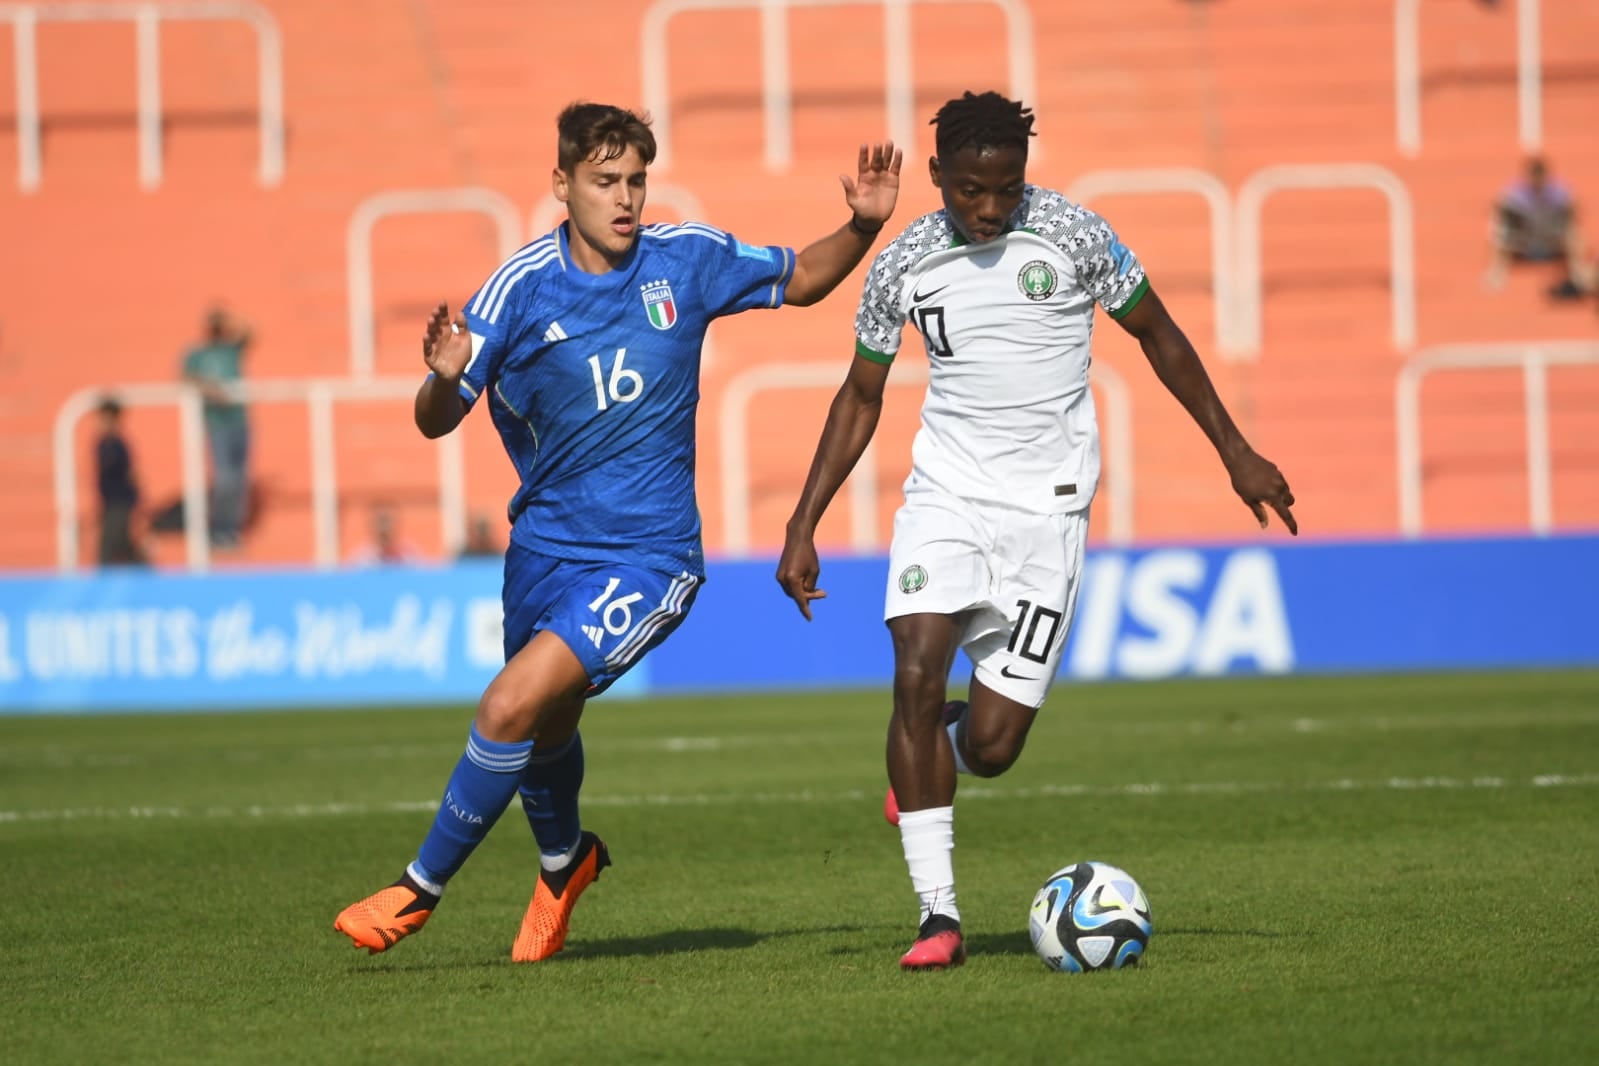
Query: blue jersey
pixel 593 382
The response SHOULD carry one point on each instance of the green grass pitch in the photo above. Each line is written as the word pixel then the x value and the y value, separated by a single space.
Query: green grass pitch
pixel 1383 870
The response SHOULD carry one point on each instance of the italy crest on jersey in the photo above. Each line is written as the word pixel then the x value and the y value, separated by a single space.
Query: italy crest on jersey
pixel 658 304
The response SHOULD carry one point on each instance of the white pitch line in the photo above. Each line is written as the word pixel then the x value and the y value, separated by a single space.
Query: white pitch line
pixel 60 756
pixel 725 799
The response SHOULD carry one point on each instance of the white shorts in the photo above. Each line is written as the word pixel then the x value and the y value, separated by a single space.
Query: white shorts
pixel 1010 576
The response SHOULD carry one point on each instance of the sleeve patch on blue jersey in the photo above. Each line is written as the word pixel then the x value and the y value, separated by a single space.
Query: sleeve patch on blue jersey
pixel 750 251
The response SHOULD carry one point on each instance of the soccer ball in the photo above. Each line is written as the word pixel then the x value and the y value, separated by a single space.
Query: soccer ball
pixel 1091 916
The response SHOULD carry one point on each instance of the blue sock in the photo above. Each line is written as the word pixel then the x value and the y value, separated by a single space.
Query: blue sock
pixel 480 788
pixel 550 784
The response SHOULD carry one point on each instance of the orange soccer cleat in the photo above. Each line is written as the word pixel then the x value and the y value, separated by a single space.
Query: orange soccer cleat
pixel 543 931
pixel 385 918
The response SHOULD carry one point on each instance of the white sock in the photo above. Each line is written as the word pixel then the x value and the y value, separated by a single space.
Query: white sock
pixel 960 763
pixel 562 860
pixel 929 840
pixel 416 875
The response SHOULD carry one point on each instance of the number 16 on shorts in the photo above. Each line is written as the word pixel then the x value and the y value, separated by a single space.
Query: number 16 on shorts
pixel 632 614
pixel 615 612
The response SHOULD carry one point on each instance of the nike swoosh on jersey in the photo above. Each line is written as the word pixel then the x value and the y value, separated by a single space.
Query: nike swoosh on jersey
pixel 1004 671
pixel 918 297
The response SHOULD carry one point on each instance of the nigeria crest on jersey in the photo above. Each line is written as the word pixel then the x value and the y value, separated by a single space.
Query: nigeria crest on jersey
pixel 1037 280
pixel 912 579
pixel 658 303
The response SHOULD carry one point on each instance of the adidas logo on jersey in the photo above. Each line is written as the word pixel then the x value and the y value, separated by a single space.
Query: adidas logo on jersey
pixel 554 333
pixel 594 633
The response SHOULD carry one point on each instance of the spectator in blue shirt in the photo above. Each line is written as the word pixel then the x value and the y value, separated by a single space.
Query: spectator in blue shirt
pixel 214 366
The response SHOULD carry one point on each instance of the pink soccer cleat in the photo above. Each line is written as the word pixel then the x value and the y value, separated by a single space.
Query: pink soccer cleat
pixel 938 946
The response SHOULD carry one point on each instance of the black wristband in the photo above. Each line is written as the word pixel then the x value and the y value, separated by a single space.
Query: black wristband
pixel 855 224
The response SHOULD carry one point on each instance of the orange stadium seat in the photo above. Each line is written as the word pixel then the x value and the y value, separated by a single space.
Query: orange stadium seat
pixel 106 281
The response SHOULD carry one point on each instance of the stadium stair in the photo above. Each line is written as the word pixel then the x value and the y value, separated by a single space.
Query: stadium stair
pixel 114 278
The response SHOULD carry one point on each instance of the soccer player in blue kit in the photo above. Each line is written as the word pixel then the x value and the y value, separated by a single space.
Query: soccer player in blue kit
pixel 585 345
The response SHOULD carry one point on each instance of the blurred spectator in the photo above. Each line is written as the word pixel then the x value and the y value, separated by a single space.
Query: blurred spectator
pixel 1535 222
pixel 119 491
pixel 213 365
pixel 386 547
pixel 480 542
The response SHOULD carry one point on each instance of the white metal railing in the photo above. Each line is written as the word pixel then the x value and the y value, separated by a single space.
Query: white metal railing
pixel 146 19
pixel 318 394
pixel 358 249
pixel 1534 358
pixel 1184 180
pixel 361 309
pixel 1401 239
pixel 777 88
pixel 1407 75
pixel 862 485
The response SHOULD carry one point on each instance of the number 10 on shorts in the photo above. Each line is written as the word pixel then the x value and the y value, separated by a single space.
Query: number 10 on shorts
pixel 1030 638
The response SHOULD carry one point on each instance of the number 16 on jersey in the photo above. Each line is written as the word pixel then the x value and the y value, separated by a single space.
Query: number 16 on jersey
pixel 622 386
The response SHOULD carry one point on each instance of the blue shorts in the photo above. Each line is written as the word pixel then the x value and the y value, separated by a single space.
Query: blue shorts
pixel 609 614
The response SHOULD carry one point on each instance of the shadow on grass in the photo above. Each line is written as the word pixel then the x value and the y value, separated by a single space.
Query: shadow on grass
pixel 678 941
pixel 685 941
pixel 1019 943
pixel 674 942
pixel 1265 934
pixel 670 942
pixel 376 970
pixel 999 944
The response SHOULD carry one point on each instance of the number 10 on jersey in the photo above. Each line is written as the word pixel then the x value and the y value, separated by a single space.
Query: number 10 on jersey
pixel 623 385
pixel 929 322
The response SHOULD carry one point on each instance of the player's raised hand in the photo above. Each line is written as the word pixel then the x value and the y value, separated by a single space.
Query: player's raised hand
pixel 875 188
pixel 797 572
pixel 1260 484
pixel 447 346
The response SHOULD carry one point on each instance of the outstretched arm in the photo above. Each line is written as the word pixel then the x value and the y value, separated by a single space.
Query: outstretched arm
pixel 1256 479
pixel 821 265
pixel 851 421
pixel 446 349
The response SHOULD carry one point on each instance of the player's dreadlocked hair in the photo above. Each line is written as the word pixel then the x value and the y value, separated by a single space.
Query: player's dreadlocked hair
pixel 982 121
pixel 589 130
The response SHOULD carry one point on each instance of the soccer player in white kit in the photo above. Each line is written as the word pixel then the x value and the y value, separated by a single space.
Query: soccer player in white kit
pixel 987 552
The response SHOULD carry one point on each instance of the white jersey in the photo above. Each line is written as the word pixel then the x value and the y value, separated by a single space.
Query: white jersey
pixel 1007 327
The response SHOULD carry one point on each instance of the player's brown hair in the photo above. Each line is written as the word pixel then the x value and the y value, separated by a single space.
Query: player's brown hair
pixel 601 132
